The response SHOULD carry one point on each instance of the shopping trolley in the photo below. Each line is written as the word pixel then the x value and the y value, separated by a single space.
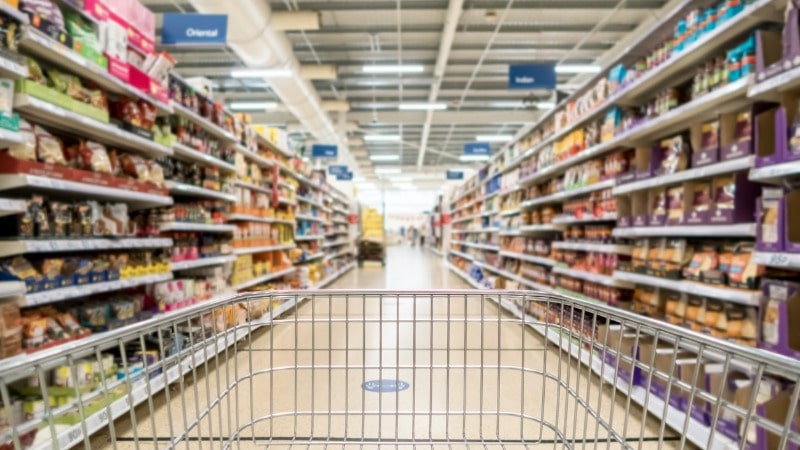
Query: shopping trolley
pixel 424 369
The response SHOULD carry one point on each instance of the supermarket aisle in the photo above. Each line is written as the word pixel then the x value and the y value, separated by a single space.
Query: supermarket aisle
pixel 449 354
pixel 406 268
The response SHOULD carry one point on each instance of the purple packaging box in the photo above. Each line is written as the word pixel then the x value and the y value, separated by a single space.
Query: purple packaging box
pixel 694 195
pixel 626 177
pixel 656 155
pixel 791 221
pixel 770 135
pixel 736 134
pixel 769 54
pixel 624 222
pixel 658 208
pixel 733 203
pixel 791 38
pixel 770 221
pixel 705 143
pixel 775 410
pixel 640 220
pixel 780 314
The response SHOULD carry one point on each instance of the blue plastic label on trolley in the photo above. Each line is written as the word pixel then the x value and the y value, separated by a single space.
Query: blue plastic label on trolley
pixel 385 386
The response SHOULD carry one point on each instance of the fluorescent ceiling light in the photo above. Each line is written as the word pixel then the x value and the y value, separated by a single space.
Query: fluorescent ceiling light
pixel 388 170
pixel 405 186
pixel 382 137
pixel 422 106
pixel 578 68
pixel 261 73
pixel 545 105
pixel 388 68
pixel 473 158
pixel 253 106
pixel 494 138
pixel 401 179
pixel 384 157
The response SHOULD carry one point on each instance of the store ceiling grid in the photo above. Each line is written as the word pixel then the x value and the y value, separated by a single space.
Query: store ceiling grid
pixel 490 35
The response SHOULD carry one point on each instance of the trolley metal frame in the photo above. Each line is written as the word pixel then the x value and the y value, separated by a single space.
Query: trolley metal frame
pixel 418 368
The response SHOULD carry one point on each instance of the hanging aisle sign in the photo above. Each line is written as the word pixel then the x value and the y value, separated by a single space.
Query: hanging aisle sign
pixel 532 76
pixel 455 175
pixel 194 29
pixel 347 176
pixel 477 149
pixel 324 151
pixel 337 170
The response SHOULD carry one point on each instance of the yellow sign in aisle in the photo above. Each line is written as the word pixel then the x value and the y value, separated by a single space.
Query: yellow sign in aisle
pixel 371 224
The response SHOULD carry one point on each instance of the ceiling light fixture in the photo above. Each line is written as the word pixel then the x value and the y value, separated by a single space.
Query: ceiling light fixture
pixel 387 170
pixel 473 158
pixel 388 68
pixel 422 106
pixel 545 105
pixel 494 138
pixel 382 138
pixel 384 157
pixel 401 179
pixel 578 68
pixel 261 73
pixel 253 106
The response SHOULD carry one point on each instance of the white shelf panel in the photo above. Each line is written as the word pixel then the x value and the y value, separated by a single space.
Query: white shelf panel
pixel 198 227
pixel 479 231
pixel 465 277
pixel 340 221
pixel 736 165
pixel 310 258
pixel 528 258
pixel 8 137
pixel 249 218
pixel 204 123
pixel 262 249
pixel 20 247
pixel 510 212
pixel 568 194
pixel 267 143
pixel 261 161
pixel 308 218
pixel 772 88
pixel 203 262
pixel 570 220
pixel 510 233
pixel 462 255
pixel 253 187
pixel 336 233
pixel 53 116
pixel 335 243
pixel 310 201
pixel 312 237
pixel 264 278
pixel 605 280
pixel 544 228
pixel 67 293
pixel 338 254
pixel 704 231
pixel 12 289
pixel 334 277
pixel 594 247
pixel 492 248
pixel 778 259
pixel 10 206
pixel 194 191
pixel 185 152
pixel 776 173
pixel 139 200
pixel 740 296
pixel 33 41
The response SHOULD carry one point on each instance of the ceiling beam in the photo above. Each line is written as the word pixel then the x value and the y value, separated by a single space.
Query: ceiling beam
pixel 477 4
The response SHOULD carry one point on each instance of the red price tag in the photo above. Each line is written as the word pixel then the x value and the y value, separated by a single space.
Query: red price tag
pixel 446 219
pixel 352 219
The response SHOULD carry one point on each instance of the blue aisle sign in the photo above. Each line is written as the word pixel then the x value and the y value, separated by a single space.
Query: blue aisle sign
pixel 382 386
pixel 194 29
pixel 477 149
pixel 455 174
pixel 337 170
pixel 348 176
pixel 532 76
pixel 324 151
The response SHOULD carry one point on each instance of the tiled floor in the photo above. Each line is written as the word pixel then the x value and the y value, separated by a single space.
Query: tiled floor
pixel 472 375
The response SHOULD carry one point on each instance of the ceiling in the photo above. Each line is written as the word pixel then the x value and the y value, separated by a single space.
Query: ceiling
pixel 489 36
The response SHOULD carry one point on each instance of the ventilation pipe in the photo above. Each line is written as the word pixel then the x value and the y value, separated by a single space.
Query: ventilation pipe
pixel 260 46
pixel 448 35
